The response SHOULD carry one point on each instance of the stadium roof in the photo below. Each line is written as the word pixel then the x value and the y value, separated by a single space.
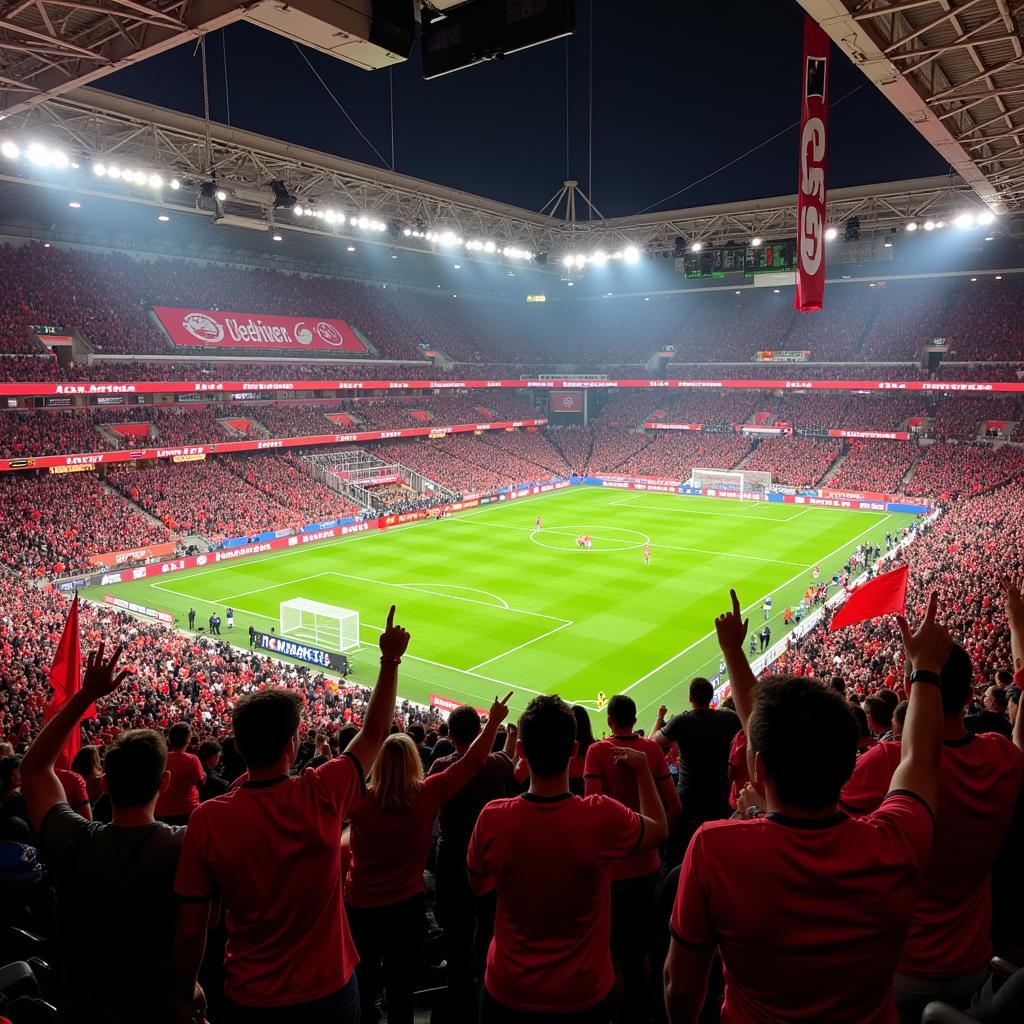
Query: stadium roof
pixel 955 70
pixel 89 126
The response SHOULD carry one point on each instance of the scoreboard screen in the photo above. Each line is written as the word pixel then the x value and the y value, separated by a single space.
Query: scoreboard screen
pixel 717 261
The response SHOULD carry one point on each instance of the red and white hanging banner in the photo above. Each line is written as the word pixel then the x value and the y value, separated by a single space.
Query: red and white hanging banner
pixel 810 264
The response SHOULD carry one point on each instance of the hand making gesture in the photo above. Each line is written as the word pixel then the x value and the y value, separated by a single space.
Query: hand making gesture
pixel 394 640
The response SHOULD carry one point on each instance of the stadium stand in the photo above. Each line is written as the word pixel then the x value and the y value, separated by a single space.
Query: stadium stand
pixel 796 461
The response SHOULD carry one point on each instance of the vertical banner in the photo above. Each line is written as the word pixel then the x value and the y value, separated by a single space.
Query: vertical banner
pixel 810 264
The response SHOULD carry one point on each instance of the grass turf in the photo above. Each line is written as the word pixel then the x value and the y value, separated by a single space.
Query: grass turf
pixel 494 604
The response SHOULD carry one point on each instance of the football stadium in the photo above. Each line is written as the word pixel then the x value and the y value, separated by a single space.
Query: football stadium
pixel 490 535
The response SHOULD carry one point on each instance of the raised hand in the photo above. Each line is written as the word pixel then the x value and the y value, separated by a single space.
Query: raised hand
pixel 929 645
pixel 1014 603
pixel 499 709
pixel 394 640
pixel 731 627
pixel 100 678
pixel 634 759
pixel 662 712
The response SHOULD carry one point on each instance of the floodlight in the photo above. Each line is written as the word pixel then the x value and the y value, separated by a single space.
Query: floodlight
pixel 155 181
pixel 163 218
pixel 10 150
pixel 986 217
pixel 75 204
pixel 114 172
pixel 38 154
pixel 631 254
pixel 696 247
pixel 830 234
pixel 912 226
pixel 964 220
pixel 929 225
pixel 755 242
pixel 599 258
pixel 566 261
pixel 580 261
pixel 221 195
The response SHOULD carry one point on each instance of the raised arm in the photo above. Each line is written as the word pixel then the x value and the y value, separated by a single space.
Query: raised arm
pixel 731 628
pixel 457 775
pixel 380 712
pixel 1015 617
pixel 39 783
pixel 928 648
pixel 652 811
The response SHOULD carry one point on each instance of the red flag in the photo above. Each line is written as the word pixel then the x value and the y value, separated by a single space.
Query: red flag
pixel 65 678
pixel 883 594
pixel 810 233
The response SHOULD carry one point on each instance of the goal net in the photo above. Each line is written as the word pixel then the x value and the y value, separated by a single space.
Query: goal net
pixel 324 624
pixel 733 481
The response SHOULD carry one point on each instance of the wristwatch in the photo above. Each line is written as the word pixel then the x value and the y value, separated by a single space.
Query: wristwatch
pixel 923 675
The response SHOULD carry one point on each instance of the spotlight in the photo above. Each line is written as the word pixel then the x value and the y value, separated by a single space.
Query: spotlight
pixel 297 209
pixel 929 225
pixel 940 223
pixel 114 172
pixel 155 181
pixel 964 220
pixel 456 266
pixel 696 247
pixel 489 247
pixel 175 184
pixel 163 218
pixel 221 195
pixel 75 204
pixel 631 254
pixel 277 238
pixel 99 170
pixel 59 159
pixel 599 258
pixel 407 232
pixel 986 217
pixel 755 242
pixel 363 222
pixel 830 234
pixel 566 261
pixel 912 226
pixel 38 154
pixel 352 248
pixel 10 150
pixel 580 261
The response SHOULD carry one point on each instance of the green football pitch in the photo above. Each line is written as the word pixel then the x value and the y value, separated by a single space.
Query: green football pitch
pixel 494 604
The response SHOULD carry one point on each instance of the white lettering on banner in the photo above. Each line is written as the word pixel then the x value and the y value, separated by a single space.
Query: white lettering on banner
pixel 446 383
pixel 273 385
pixel 494 383
pixel 394 384
pixel 93 389
pixel 269 444
pixel 540 383
pixel 390 433
pixel 83 460
pixel 798 384
pixel 231 553
pixel 139 574
pixel 657 383
pixel 201 386
pixel 812 183
pixel 200 560
pixel 110 577
pixel 166 453
pixel 941 386
pixel 891 385
pixel 292 541
pixel 345 437
pixel 696 384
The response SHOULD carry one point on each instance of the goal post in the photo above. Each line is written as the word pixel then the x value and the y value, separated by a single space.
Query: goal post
pixel 734 481
pixel 318 623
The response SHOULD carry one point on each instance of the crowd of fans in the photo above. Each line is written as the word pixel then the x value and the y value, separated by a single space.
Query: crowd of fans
pixel 795 461
pixel 874 466
pixel 957 469
pixel 52 524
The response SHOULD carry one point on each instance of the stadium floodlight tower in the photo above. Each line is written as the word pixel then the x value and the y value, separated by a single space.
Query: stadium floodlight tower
pixel 318 623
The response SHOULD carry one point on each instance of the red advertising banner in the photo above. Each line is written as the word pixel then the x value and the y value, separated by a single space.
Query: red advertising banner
pixel 136 454
pixel 211 328
pixel 673 426
pixel 810 242
pixel 113 558
pixel 872 435
pixel 233 387
pixel 566 401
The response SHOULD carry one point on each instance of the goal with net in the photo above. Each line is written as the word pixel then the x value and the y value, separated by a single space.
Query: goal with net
pixel 733 481
pixel 325 624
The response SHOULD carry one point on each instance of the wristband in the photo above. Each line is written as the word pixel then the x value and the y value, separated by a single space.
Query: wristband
pixel 923 675
pixel 390 661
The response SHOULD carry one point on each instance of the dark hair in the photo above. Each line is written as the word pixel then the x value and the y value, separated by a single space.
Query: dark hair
pixel 861 718
pixel 464 724
pixel 584 728
pixel 879 710
pixel 416 733
pixel 622 710
pixel 899 716
pixel 8 766
pixel 346 734
pixel 134 765
pixel 956 680
pixel 178 735
pixel 208 748
pixel 87 762
pixel 442 730
pixel 701 691
pixel 807 737
pixel 889 696
pixel 547 730
pixel 264 723
pixel 839 685
pixel 999 697
pixel 1004 677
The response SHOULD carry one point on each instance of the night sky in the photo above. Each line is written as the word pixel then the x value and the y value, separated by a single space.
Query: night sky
pixel 675 96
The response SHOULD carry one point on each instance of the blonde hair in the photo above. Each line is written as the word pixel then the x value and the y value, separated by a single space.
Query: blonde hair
pixel 397 774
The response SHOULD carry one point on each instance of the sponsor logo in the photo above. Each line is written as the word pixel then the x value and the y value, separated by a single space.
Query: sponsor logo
pixel 139 574
pixel 269 444
pixel 292 541
pixel 811 239
pixel 137 454
pixel 798 384
pixel 83 460
pixel 203 328
pixel 891 385
pixel 109 578
pixel 202 386
pixel 94 389
pixel 397 384
pixel 940 386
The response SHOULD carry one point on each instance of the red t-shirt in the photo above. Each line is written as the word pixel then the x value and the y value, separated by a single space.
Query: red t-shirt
pixel 738 767
pixel 74 788
pixel 181 796
pixel 549 859
pixel 272 852
pixel 866 787
pixel 603 775
pixel 979 778
pixel 389 849
pixel 809 916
